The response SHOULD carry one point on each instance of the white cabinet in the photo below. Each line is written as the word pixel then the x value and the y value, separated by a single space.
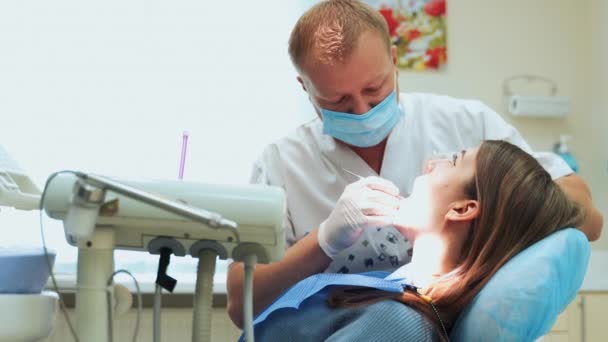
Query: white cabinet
pixel 176 325
pixel 585 320
pixel 567 328
pixel 595 317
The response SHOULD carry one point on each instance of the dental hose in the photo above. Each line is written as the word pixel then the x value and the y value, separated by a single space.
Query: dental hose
pixel 163 281
pixel 156 313
pixel 249 262
pixel 203 297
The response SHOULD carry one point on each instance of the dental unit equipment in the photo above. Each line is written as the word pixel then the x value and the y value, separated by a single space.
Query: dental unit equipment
pixel 162 280
pixel 23 269
pixel 182 159
pixel 16 189
pixel 100 214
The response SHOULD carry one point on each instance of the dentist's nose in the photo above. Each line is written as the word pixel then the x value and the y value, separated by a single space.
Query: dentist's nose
pixel 360 105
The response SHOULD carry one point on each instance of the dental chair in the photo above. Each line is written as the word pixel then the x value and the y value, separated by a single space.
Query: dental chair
pixel 520 302
pixel 523 299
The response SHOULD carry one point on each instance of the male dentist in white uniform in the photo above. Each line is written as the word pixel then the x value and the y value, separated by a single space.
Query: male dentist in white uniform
pixel 335 222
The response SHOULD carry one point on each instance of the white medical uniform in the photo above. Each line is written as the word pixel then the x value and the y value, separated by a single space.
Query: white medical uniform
pixel 309 166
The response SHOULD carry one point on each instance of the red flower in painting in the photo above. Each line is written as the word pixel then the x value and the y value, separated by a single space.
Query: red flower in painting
pixel 436 57
pixel 412 34
pixel 435 8
pixel 392 23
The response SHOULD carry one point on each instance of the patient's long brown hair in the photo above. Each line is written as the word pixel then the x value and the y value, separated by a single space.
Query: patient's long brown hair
pixel 519 205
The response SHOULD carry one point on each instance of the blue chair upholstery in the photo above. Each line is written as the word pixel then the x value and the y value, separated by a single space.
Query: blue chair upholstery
pixel 523 299
pixel 24 269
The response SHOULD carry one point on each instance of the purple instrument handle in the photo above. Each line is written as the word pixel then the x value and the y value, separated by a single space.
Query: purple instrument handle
pixel 182 161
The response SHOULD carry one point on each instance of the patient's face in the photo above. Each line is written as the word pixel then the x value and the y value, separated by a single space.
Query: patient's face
pixel 437 190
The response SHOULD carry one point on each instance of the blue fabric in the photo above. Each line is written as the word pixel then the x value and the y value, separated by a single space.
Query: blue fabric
pixel 312 289
pixel 363 130
pixel 386 321
pixel 316 283
pixel 520 303
pixel 523 299
pixel 24 269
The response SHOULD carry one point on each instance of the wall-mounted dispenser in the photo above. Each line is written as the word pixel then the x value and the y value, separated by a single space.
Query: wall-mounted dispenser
pixel 543 106
pixel 539 106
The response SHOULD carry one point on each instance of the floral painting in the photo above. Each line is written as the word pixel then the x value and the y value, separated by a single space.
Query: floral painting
pixel 418 29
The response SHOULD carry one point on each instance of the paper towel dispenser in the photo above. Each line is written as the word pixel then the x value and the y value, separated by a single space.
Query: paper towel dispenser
pixel 539 106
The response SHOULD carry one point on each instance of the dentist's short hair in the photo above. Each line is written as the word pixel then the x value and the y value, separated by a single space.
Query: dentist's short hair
pixel 329 31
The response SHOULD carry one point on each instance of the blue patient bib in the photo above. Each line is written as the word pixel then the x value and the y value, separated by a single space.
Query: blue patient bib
pixel 312 285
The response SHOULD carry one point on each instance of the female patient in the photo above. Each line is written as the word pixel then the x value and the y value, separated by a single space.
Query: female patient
pixel 466 217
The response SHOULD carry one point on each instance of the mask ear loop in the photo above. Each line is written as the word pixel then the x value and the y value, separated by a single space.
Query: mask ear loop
pixel 415 290
pixel 396 83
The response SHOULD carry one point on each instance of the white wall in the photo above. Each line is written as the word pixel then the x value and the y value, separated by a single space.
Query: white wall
pixel 599 105
pixel 109 86
pixel 489 41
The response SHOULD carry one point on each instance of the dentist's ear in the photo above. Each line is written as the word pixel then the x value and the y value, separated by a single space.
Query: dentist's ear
pixel 394 56
pixel 396 65
pixel 465 210
pixel 301 81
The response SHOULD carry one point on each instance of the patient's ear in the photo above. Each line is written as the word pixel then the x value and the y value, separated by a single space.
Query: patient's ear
pixel 465 210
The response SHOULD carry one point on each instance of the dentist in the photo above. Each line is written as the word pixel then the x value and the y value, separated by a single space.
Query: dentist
pixel 348 67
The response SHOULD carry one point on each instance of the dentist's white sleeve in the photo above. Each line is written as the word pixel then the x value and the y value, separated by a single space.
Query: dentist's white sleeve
pixel 266 170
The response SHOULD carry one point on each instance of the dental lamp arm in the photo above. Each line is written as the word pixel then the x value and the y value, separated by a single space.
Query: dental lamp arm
pixel 196 214
pixel 578 191
pixel 301 260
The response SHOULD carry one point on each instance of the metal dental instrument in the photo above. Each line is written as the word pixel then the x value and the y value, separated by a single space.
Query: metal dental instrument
pixel 354 174
pixel 361 177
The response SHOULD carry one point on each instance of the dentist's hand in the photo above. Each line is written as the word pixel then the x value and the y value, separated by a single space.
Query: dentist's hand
pixel 368 203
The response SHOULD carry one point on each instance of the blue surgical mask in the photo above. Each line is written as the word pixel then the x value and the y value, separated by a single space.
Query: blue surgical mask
pixel 363 130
